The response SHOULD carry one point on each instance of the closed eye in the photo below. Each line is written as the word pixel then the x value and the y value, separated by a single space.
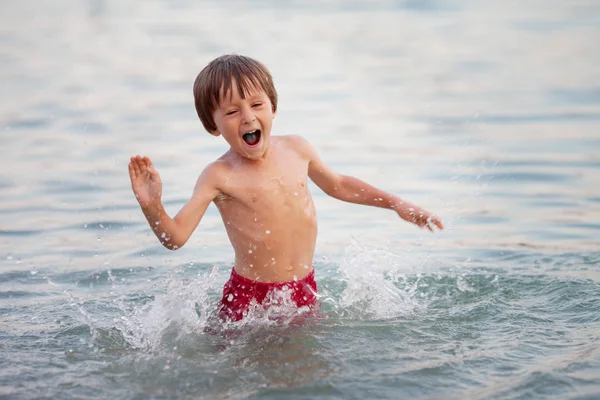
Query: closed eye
pixel 257 104
pixel 230 112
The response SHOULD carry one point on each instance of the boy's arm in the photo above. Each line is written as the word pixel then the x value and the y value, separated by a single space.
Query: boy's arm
pixel 147 187
pixel 353 190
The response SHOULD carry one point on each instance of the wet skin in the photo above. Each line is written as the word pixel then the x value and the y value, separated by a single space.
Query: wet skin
pixel 260 189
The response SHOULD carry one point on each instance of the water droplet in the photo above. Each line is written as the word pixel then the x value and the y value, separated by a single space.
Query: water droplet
pixel 251 265
pixel 230 297
pixel 250 251
pixel 267 231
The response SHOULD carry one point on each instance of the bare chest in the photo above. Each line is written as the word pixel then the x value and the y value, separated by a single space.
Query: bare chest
pixel 279 184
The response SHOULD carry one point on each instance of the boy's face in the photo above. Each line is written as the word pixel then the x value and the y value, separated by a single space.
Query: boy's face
pixel 245 123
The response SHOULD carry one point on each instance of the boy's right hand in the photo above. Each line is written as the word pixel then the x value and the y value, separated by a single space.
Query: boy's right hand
pixel 145 181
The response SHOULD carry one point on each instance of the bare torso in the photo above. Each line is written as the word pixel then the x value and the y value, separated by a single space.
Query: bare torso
pixel 269 214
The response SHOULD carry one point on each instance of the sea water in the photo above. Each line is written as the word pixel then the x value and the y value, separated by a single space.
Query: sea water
pixel 487 114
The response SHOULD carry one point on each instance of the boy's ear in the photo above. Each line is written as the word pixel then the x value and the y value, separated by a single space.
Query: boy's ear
pixel 215 132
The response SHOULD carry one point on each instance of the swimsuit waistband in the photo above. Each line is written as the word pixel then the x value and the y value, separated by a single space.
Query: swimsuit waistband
pixel 270 285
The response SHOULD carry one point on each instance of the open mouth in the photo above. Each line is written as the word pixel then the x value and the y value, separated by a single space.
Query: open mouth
pixel 252 138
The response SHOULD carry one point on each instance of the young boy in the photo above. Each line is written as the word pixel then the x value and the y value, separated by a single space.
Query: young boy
pixel 259 187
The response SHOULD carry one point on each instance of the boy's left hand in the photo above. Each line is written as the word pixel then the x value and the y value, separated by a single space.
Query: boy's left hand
pixel 419 217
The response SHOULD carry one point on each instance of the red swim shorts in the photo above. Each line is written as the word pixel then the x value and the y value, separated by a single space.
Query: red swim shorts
pixel 239 292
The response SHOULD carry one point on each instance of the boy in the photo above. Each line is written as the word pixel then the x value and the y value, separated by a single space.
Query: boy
pixel 259 187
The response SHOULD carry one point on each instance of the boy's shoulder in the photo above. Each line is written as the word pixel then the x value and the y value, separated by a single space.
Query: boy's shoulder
pixel 216 169
pixel 292 139
pixel 295 142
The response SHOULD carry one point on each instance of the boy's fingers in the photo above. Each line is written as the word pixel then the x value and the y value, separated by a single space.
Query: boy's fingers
pixel 433 220
pixel 143 167
pixel 131 170
pixel 149 165
pixel 427 224
pixel 135 166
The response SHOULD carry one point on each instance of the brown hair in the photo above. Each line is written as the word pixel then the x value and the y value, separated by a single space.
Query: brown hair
pixel 216 79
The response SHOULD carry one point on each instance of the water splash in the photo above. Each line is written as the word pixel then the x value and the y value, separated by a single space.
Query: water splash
pixel 376 287
pixel 277 309
pixel 183 310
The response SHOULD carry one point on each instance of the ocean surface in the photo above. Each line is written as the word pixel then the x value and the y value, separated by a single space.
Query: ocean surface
pixel 487 113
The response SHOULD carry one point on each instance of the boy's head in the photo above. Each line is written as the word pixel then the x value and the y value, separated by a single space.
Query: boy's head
pixel 215 81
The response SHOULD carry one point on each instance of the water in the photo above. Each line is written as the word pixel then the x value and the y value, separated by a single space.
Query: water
pixel 487 113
